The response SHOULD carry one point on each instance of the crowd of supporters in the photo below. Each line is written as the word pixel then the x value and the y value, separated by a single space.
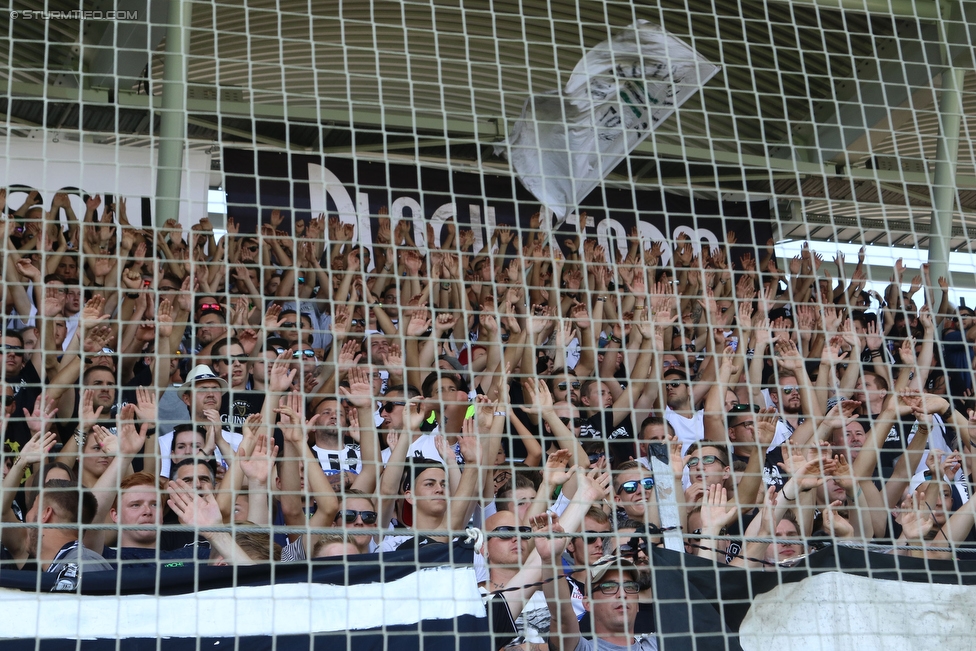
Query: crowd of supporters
pixel 159 384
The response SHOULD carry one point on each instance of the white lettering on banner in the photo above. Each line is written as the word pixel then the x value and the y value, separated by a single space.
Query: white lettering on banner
pixel 474 218
pixel 696 235
pixel 602 230
pixel 396 214
pixel 360 216
pixel 440 216
pixel 650 235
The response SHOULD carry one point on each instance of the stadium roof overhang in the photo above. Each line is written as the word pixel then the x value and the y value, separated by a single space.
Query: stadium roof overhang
pixel 829 104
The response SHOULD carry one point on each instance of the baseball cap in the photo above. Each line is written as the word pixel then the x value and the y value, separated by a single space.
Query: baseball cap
pixel 608 563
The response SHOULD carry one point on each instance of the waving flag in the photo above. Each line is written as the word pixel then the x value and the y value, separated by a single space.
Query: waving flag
pixel 565 143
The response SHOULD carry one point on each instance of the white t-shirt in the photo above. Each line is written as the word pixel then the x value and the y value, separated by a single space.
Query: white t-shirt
pixel 348 458
pixel 688 430
pixel 166 448
pixel 424 447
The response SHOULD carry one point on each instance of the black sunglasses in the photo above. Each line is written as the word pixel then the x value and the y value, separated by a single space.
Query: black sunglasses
pixel 596 456
pixel 369 517
pixel 288 324
pixel 562 385
pixel 510 531
pixel 210 306
pixel 391 405
pixel 634 546
pixel 574 422
pixel 308 353
pixel 630 487
pixel 13 350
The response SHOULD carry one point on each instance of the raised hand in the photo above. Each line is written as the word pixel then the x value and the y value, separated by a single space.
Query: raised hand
pixel 257 465
pixel 551 548
pixel 37 447
pixel 192 509
pixel 468 443
pixel 537 395
pixel 164 318
pixel 360 391
pixel 282 374
pixel 146 408
pixel 558 471
pixel 715 511
pixel 44 410
pixel 88 415
pixel 130 439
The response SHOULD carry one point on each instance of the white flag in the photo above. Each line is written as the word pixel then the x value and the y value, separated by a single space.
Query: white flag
pixel 564 144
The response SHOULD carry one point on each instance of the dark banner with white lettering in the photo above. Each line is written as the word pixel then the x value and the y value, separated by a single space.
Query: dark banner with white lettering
pixel 301 186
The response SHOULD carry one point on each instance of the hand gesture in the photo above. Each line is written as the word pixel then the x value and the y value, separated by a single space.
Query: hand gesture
pixel 419 323
pixel 360 388
pixel 28 270
pixel 558 471
pixel 537 395
pixel 44 411
pixel 835 524
pixel 257 465
pixel 192 509
pixel 915 523
pixel 146 408
pixel 131 440
pixel 88 415
pixel 282 374
pixel 468 443
pixel 445 323
pixel 594 484
pixel 38 447
pixel 716 513
pixel 788 355
pixel 551 548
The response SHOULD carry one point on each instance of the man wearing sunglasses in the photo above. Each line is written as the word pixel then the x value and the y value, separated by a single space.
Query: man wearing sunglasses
pixel 232 364
pixel 613 592
pixel 19 372
pixel 584 551
pixel 211 327
pixel 682 398
pixel 634 494
pixel 506 550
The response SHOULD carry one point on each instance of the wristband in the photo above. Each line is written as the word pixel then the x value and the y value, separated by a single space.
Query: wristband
pixel 132 296
pixel 947 416
pixel 615 339
pixel 783 493
pixel 602 299
pixel 80 435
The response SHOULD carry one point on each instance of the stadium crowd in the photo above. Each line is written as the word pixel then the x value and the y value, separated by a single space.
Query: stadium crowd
pixel 296 379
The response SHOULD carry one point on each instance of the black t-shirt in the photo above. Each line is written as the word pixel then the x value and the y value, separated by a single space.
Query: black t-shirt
pixel 895 443
pixel 622 439
pixel 170 540
pixel 130 556
pixel 236 406
pixel 27 388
